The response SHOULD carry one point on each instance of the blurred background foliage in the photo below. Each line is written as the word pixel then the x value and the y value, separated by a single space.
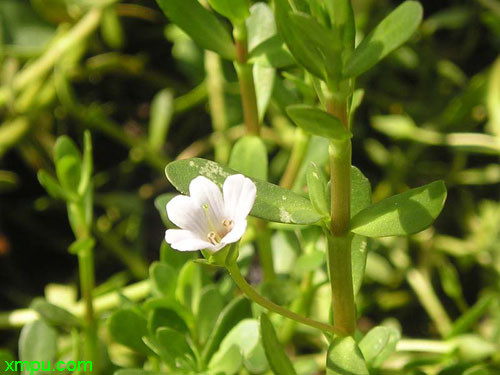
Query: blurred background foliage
pixel 430 110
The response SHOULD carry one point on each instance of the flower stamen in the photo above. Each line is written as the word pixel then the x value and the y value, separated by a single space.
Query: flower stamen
pixel 227 224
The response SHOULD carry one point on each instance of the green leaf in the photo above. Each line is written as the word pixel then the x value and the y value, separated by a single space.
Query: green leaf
pixel 161 205
pixel 272 203
pixel 164 317
pixel 472 315
pixel 68 170
pixel 260 25
pixel 402 214
pixel 318 122
pixel 264 83
pixel 188 286
pixel 53 314
pixel 201 25
pixel 65 147
pixel 345 358
pixel 227 361
pixel 316 187
pixel 389 34
pixel 246 336
pixel 312 45
pixel 235 10
pixel 128 327
pixel 249 156
pixel 52 186
pixel 162 109
pixel 171 345
pixel 211 305
pixel 237 310
pixel 87 164
pixel 38 342
pixel 163 279
pixel 272 53
pixel 111 28
pixel 342 21
pixel 278 360
pixel 378 344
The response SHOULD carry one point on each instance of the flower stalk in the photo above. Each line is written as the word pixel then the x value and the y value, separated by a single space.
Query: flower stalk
pixel 252 294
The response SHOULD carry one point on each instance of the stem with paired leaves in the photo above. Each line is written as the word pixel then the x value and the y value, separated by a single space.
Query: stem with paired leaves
pixel 339 238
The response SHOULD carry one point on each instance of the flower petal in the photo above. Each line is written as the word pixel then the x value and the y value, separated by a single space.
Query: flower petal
pixel 186 213
pixel 208 193
pixel 184 240
pixel 239 196
pixel 236 233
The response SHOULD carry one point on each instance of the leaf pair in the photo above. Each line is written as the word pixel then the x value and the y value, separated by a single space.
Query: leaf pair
pixel 328 54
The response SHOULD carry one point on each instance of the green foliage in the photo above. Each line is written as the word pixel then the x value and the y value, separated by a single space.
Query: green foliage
pixel 390 33
pixel 249 156
pixel 278 360
pixel 318 122
pixel 402 214
pixel 201 25
pixel 236 10
pixel 38 342
pixel 345 358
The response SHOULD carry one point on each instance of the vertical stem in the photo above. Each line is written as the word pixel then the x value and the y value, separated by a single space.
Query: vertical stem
pixel 295 161
pixel 217 103
pixel 245 78
pixel 87 283
pixel 339 242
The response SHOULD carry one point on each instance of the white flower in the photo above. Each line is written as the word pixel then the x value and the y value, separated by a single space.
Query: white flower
pixel 208 218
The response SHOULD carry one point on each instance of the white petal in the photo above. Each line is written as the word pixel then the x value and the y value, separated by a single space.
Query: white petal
pixel 208 193
pixel 236 233
pixel 184 240
pixel 239 196
pixel 176 235
pixel 186 213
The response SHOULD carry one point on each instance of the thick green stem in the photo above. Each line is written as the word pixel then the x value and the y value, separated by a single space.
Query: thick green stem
pixel 339 265
pixel 87 283
pixel 217 104
pixel 245 78
pixel 339 242
pixel 271 306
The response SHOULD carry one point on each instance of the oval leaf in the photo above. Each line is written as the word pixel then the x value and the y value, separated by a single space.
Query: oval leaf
pixel 273 203
pixel 249 156
pixel 390 33
pixel 201 25
pixel 345 358
pixel 38 342
pixel 318 122
pixel 402 214
pixel 316 187
pixel 276 356
pixel 127 328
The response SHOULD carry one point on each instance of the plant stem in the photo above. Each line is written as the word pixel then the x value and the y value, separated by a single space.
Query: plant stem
pixel 301 140
pixel 252 294
pixel 245 78
pixel 87 283
pixel 217 104
pixel 339 242
pixel 427 297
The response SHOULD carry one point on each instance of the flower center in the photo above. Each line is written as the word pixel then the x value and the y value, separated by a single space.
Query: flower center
pixel 215 236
